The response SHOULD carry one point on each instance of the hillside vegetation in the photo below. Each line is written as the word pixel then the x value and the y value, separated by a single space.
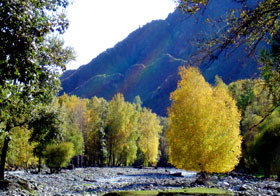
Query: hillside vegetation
pixel 146 62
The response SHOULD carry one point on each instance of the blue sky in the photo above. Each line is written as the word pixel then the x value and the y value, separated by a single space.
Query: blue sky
pixel 96 25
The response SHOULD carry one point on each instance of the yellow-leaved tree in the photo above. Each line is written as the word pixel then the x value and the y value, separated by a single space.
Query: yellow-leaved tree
pixel 148 141
pixel 204 133
pixel 121 132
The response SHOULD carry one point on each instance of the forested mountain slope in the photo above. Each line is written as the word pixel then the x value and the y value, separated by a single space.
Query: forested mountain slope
pixel 146 62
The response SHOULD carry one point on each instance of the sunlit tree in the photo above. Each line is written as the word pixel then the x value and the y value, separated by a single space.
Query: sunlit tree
pixel 121 131
pixel 149 133
pixel 96 138
pixel 204 131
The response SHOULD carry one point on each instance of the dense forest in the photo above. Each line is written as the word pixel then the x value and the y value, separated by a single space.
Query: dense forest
pixel 209 128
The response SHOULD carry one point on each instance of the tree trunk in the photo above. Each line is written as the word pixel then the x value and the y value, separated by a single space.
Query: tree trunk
pixel 40 164
pixel 4 156
pixel 202 178
pixel 110 155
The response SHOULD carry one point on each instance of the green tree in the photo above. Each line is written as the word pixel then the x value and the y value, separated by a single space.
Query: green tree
pixel 264 149
pixel 29 60
pixel 204 130
pixel 163 144
pixel 58 155
pixel 270 71
pixel 20 153
pixel 46 125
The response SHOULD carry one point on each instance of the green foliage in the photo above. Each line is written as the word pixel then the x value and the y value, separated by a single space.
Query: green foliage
pixel 204 131
pixel 259 120
pixel 270 71
pixel 25 53
pixel 74 136
pixel 46 126
pixel 243 93
pixel 264 148
pixel 58 155
pixel 20 153
pixel 30 60
pixel 163 144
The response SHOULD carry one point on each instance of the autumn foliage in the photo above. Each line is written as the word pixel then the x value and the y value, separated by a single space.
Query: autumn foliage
pixel 204 131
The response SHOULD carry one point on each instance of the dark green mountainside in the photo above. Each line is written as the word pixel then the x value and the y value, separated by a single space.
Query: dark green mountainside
pixel 147 61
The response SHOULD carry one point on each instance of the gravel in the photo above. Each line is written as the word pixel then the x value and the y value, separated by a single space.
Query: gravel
pixel 94 181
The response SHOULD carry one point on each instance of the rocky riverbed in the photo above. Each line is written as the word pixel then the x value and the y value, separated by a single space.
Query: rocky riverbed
pixel 94 181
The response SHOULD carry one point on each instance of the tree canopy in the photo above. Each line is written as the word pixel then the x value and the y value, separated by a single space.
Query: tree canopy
pixel 31 55
pixel 204 131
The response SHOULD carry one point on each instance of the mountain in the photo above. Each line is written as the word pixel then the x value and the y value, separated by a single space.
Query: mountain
pixel 147 61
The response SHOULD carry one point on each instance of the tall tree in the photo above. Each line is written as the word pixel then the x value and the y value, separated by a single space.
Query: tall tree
pixel 121 131
pixel 96 137
pixel 46 127
pixel 74 112
pixel 149 132
pixel 29 59
pixel 20 153
pixel 204 131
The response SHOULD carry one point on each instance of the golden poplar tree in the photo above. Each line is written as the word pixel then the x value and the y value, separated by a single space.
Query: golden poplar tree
pixel 204 132
pixel 148 141
pixel 95 142
pixel 121 131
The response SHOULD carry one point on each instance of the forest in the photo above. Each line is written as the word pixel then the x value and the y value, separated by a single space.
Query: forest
pixel 119 133
pixel 209 128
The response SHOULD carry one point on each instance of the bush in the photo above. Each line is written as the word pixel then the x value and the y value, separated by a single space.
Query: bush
pixel 266 149
pixel 58 155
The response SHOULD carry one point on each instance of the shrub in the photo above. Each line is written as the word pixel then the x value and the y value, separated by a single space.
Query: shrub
pixel 266 149
pixel 58 155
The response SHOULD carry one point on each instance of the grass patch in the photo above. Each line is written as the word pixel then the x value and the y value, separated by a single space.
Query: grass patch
pixel 203 190
pixel 134 193
pixel 186 191
pixel 200 190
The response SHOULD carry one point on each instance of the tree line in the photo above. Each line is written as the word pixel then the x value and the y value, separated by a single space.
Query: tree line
pixel 106 133
pixel 203 131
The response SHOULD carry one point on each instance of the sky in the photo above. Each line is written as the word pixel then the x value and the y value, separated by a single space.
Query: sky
pixel 96 25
